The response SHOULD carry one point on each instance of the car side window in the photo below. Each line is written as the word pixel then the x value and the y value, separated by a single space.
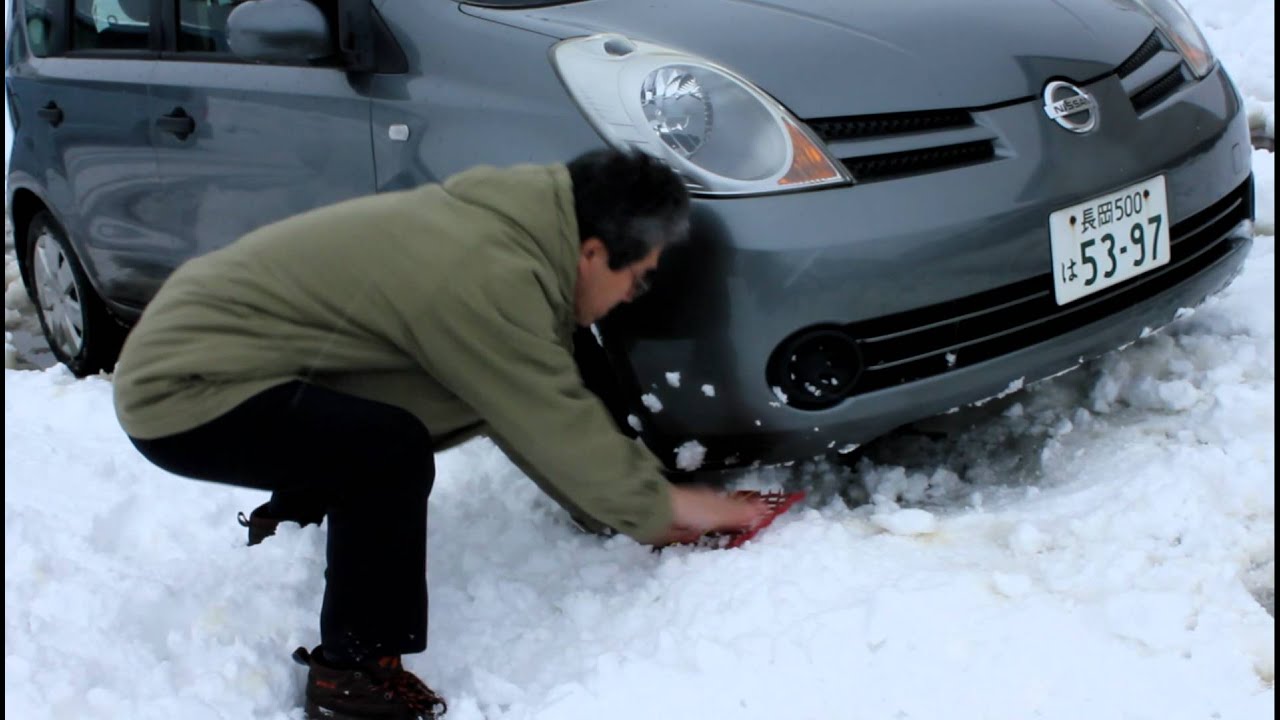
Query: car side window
pixel 111 25
pixel 41 25
pixel 202 25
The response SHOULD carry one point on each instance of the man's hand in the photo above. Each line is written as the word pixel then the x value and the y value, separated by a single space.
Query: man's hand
pixel 699 510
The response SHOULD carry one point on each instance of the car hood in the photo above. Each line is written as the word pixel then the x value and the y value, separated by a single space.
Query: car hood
pixel 825 58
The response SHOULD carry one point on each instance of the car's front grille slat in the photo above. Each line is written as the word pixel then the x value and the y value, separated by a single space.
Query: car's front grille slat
pixel 930 341
pixel 890 145
pixel 958 318
pixel 875 378
pixel 1162 88
pixel 913 162
pixel 977 327
pixel 1194 227
pixel 1152 73
pixel 859 127
pixel 1145 52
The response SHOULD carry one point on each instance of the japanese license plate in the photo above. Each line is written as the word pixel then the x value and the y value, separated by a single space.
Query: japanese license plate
pixel 1109 239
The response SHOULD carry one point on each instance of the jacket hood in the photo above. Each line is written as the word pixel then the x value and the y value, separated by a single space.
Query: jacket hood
pixel 824 58
pixel 536 199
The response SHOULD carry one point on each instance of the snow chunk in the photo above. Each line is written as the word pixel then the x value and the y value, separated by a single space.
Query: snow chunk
pixel 635 423
pixel 596 332
pixel 16 301
pixel 846 449
pixel 673 379
pixel 1009 389
pixel 909 521
pixel 709 390
pixel 690 455
pixel 1107 390
pixel 1178 394
pixel 976 499
pixel 780 395
pixel 951 359
pixel 1264 174
pixel 1027 540
pixel 893 485
pixel 652 402
pixel 1011 585
pixel 1159 620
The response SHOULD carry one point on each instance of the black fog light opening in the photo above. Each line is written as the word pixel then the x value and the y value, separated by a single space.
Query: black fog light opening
pixel 816 368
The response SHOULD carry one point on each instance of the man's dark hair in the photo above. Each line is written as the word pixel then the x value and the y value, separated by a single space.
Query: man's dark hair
pixel 631 201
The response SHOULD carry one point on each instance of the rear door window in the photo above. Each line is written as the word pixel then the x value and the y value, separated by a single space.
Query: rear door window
pixel 202 25
pixel 44 18
pixel 111 25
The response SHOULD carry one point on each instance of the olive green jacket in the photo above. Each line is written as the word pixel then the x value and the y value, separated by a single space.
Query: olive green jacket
pixel 453 301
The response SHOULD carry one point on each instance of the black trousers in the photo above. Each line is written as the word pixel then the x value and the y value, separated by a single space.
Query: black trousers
pixel 368 466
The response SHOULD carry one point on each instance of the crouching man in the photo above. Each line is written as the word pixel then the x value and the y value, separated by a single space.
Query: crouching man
pixel 327 357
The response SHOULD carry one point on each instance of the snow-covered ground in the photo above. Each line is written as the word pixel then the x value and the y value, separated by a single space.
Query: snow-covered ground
pixel 1101 545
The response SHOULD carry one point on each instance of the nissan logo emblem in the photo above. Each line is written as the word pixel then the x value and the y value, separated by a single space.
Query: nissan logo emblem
pixel 1070 107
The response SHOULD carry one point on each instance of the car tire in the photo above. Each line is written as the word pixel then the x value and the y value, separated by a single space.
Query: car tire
pixel 80 331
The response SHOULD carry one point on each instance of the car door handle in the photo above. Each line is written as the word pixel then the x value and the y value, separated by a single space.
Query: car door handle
pixel 177 123
pixel 52 113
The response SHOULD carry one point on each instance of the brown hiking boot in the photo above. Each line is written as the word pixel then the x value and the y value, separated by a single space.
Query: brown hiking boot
pixel 379 690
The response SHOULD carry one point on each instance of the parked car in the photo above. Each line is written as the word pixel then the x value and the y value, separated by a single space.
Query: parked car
pixel 900 208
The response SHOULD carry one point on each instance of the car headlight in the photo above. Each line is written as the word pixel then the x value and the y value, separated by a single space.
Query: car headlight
pixel 1174 21
pixel 722 133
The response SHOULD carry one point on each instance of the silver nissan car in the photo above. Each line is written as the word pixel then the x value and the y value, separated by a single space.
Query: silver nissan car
pixel 900 207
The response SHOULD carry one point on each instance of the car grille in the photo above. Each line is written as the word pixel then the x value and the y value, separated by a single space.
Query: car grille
pixel 869 126
pixel 1152 73
pixel 938 140
pixel 1149 96
pixel 888 165
pixel 930 341
pixel 1148 50
pixel 894 145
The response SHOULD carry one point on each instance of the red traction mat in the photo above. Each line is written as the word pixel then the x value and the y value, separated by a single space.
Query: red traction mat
pixel 778 501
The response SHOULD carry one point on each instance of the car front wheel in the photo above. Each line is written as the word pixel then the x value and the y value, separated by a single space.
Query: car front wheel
pixel 76 324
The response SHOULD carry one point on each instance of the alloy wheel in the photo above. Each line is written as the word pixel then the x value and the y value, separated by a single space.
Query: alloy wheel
pixel 59 296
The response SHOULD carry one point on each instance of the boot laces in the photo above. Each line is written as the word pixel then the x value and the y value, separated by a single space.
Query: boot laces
pixel 411 689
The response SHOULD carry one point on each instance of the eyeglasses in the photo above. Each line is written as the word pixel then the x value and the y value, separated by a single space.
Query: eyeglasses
pixel 640 283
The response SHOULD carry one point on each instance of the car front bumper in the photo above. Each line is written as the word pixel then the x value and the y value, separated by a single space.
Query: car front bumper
pixel 926 254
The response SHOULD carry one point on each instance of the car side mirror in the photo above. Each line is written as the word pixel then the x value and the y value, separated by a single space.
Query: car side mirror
pixel 279 31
